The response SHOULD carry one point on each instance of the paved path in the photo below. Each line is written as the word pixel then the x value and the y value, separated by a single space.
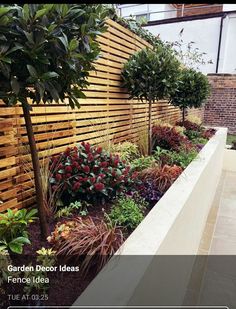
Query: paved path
pixel 219 236
pixel 213 280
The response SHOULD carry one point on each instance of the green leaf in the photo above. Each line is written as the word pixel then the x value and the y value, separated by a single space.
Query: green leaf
pixel 16 247
pixel 31 213
pixel 49 75
pixel 4 10
pixel 64 9
pixel 26 12
pixel 73 44
pixel 51 27
pixel 32 71
pixel 64 40
pixel 22 240
pixel 40 13
pixel 48 7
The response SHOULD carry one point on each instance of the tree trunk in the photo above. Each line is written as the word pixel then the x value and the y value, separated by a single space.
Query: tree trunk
pixel 183 114
pixel 36 170
pixel 150 127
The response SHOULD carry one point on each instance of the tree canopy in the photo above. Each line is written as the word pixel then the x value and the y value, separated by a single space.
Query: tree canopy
pixel 46 50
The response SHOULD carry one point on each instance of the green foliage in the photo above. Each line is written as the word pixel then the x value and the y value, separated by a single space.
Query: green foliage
pixel 192 135
pixel 126 213
pixel 13 224
pixel 127 151
pixel 47 50
pixel 69 210
pixel 46 258
pixel 136 27
pixel 181 158
pixel 192 90
pixel 142 163
pixel 151 74
pixel 199 140
pixel 15 245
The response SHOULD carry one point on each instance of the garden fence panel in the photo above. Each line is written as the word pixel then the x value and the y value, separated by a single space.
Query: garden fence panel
pixel 106 114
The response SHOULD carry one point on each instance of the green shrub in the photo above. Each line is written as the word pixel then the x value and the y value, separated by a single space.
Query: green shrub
pixel 13 233
pixel 142 163
pixel 181 158
pixel 127 151
pixel 126 213
pixel 192 135
pixel 200 140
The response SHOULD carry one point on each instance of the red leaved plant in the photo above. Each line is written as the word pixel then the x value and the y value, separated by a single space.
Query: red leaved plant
pixel 161 177
pixel 208 133
pixel 90 173
pixel 84 240
pixel 168 138
pixel 189 125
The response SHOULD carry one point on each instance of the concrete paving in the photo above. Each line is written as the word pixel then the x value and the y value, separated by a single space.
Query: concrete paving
pixel 220 230
pixel 213 281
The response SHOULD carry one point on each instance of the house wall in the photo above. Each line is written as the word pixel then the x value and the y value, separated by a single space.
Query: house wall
pixel 204 33
pixel 196 9
pixel 220 108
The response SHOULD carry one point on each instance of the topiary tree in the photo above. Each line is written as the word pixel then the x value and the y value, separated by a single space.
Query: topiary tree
pixel 46 52
pixel 152 75
pixel 192 90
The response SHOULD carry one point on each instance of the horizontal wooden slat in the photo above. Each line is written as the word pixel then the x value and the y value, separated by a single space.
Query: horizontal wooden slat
pixel 107 113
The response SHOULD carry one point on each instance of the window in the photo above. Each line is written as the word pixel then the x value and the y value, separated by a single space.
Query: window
pixel 145 17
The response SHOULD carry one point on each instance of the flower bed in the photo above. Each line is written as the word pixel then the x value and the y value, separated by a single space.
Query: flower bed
pixel 100 198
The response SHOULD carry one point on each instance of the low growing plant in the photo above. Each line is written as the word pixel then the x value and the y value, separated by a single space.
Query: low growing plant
pixel 90 242
pixel 127 151
pixel 189 125
pixel 156 181
pixel 168 138
pixel 126 213
pixel 192 135
pixel 208 133
pixel 68 211
pixel 142 163
pixel 13 233
pixel 161 177
pixel 200 140
pixel 182 157
pixel 195 119
pixel 90 173
pixel 46 258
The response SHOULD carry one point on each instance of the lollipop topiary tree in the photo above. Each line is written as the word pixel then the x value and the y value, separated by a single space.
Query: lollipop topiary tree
pixel 151 74
pixel 46 52
pixel 192 90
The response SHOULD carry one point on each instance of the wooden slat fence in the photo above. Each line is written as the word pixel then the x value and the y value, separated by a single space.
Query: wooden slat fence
pixel 106 114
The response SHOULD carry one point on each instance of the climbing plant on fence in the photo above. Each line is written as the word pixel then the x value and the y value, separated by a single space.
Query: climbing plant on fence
pixel 46 53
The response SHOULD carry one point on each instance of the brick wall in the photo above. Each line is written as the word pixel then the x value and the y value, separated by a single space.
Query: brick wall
pixel 220 108
pixel 192 10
